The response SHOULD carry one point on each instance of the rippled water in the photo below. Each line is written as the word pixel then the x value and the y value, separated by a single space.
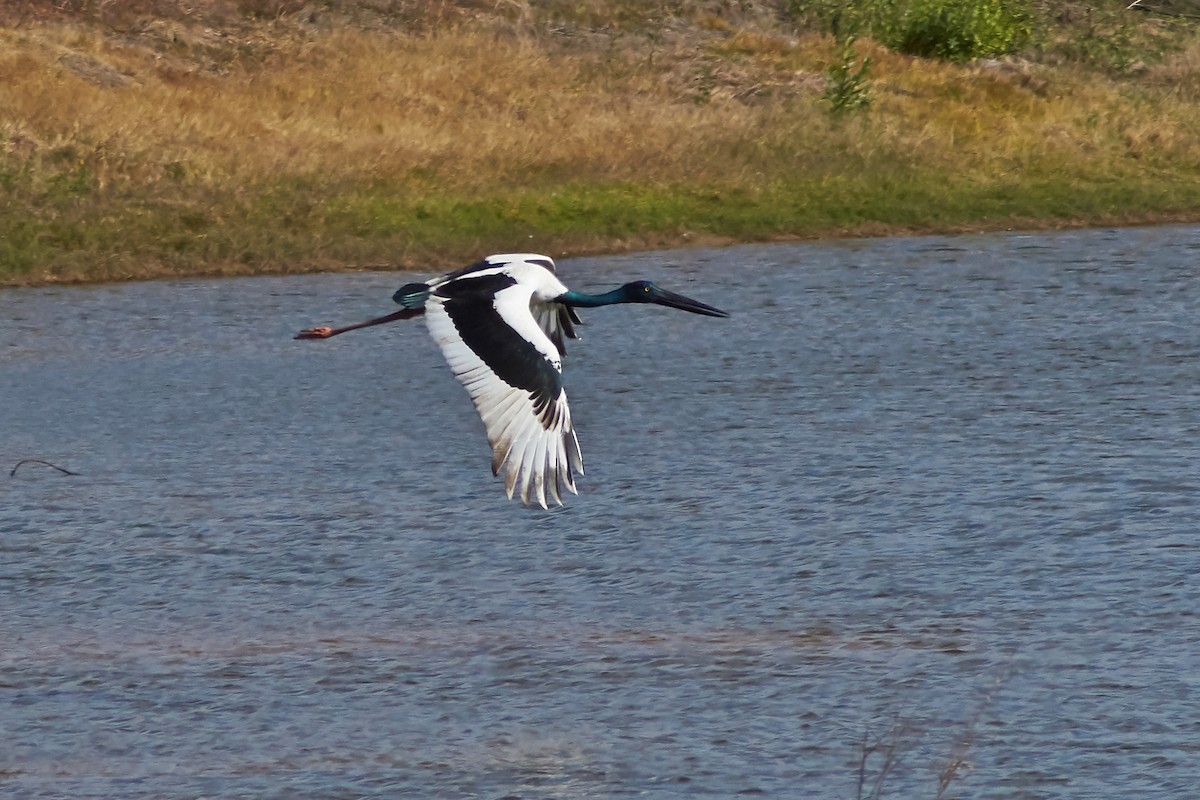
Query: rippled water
pixel 919 504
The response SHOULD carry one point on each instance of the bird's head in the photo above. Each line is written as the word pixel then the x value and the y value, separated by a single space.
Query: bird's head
pixel 648 292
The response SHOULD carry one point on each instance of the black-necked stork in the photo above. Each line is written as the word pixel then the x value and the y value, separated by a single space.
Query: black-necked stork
pixel 500 324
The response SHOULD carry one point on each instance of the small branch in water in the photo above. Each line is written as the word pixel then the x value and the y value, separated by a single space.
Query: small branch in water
pixel 13 473
pixel 888 749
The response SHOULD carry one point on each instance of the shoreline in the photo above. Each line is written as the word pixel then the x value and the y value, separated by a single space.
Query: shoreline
pixel 661 244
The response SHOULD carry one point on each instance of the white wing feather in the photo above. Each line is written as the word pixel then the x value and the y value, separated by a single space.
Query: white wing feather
pixel 538 461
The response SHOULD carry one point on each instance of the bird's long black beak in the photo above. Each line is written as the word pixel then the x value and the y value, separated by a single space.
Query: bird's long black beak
pixel 664 298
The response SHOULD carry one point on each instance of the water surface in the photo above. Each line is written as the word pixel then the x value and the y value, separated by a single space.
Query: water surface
pixel 934 496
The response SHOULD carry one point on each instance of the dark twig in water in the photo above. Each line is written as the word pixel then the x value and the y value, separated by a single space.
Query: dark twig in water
pixel 13 473
pixel 959 763
pixel 888 749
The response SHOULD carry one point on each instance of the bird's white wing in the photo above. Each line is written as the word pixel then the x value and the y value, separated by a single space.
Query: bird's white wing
pixel 512 371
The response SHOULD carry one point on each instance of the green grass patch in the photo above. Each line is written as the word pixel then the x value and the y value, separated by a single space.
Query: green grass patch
pixel 380 228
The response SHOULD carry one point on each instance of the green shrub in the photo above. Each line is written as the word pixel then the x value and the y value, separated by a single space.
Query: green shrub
pixel 846 80
pixel 953 30
pixel 959 30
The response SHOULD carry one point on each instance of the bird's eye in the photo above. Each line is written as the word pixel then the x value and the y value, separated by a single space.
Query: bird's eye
pixel 646 289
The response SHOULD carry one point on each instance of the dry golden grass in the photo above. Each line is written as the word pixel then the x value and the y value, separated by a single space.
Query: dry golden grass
pixel 466 108
pixel 166 143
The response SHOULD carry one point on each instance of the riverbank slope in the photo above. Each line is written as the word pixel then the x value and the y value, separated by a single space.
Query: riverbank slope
pixel 157 138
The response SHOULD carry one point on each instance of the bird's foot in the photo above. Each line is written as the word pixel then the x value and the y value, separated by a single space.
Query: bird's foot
pixel 321 332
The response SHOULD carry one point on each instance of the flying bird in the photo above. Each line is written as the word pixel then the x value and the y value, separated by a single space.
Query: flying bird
pixel 501 324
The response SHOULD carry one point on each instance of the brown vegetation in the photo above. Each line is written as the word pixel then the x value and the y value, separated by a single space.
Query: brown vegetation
pixel 161 137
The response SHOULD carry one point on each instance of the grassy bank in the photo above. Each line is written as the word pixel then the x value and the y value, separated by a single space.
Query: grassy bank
pixel 154 139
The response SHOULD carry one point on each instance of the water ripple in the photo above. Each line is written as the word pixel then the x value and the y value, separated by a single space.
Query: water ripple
pixel 930 496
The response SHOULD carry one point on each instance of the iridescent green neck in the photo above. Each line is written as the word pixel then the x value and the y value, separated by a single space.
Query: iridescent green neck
pixel 581 300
